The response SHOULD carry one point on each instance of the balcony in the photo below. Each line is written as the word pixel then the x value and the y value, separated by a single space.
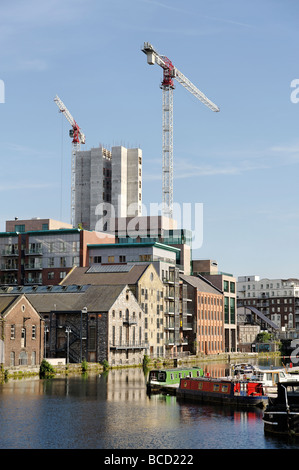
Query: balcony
pixel 9 267
pixel 168 280
pixel 169 297
pixel 33 266
pixel 34 251
pixel 130 321
pixel 10 252
pixel 33 280
pixel 183 341
pixel 9 281
pixel 132 345
pixel 169 342
pixel 187 325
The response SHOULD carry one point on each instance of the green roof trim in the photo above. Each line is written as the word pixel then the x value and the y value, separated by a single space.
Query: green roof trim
pixel 9 234
pixel 41 232
pixel 135 244
pixel 53 231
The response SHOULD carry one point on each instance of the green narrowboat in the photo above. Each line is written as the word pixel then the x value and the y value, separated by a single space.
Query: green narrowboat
pixel 168 380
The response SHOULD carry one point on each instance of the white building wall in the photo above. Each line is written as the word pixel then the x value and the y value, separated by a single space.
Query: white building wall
pixel 82 188
pixel 107 177
pixel 119 181
pixel 134 182
pixel 254 287
pixel 96 183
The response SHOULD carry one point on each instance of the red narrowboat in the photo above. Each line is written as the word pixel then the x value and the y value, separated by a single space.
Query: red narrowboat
pixel 222 391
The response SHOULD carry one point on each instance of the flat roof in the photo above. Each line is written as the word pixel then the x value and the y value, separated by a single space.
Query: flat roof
pixel 135 244
pixel 44 232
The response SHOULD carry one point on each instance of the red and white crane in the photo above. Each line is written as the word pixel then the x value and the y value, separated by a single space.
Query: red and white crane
pixel 78 138
pixel 170 72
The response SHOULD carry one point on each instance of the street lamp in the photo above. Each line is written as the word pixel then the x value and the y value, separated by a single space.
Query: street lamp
pixel 46 331
pixel 84 310
pixel 68 331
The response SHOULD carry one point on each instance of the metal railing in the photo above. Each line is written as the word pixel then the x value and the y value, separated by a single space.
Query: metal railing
pixel 128 345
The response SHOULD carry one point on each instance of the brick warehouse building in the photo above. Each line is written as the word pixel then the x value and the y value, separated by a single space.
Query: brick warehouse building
pixel 145 284
pixel 21 332
pixel 104 323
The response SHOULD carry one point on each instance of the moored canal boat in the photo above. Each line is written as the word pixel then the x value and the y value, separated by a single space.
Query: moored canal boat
pixel 269 377
pixel 167 380
pixel 240 393
pixel 281 416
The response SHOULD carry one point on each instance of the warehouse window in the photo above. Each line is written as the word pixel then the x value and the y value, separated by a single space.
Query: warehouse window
pixel 33 332
pixel 92 338
pixel 12 331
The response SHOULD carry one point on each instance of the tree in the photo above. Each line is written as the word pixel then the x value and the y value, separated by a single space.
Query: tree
pixel 264 337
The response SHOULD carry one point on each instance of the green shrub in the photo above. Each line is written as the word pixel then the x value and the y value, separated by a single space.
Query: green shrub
pixel 146 360
pixel 46 370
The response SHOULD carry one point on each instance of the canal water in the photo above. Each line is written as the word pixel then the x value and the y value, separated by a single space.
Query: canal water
pixel 113 411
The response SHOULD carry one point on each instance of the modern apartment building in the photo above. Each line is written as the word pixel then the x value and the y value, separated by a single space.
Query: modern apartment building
pixel 227 284
pixel 36 253
pixel 112 178
pixel 160 255
pixel 144 229
pixel 164 259
pixel 156 239
pixel 277 299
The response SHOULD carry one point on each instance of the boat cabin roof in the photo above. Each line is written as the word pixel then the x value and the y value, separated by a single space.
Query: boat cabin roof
pixel 289 388
pixel 176 369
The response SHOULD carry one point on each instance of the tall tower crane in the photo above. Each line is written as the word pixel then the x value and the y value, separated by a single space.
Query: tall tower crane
pixel 169 73
pixel 78 139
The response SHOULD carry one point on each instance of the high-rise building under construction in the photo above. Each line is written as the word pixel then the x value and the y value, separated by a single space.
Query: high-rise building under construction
pixel 110 177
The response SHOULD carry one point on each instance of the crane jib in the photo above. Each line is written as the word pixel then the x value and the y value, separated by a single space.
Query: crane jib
pixel 170 73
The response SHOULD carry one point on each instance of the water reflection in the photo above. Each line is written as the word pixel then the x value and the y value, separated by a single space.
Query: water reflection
pixel 113 411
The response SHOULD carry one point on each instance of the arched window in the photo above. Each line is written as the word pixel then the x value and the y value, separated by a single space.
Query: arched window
pixel 12 358
pixel 23 360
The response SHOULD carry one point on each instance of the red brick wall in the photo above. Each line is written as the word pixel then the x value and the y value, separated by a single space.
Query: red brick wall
pixel 92 238
pixel 210 323
pixel 22 315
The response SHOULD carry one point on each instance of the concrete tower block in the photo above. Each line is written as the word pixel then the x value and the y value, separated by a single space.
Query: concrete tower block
pixel 134 182
pixel 119 181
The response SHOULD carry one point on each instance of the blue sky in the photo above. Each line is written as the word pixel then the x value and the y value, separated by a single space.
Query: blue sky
pixel 242 164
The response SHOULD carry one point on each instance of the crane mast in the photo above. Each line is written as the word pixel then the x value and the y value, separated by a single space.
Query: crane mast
pixel 78 139
pixel 169 73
